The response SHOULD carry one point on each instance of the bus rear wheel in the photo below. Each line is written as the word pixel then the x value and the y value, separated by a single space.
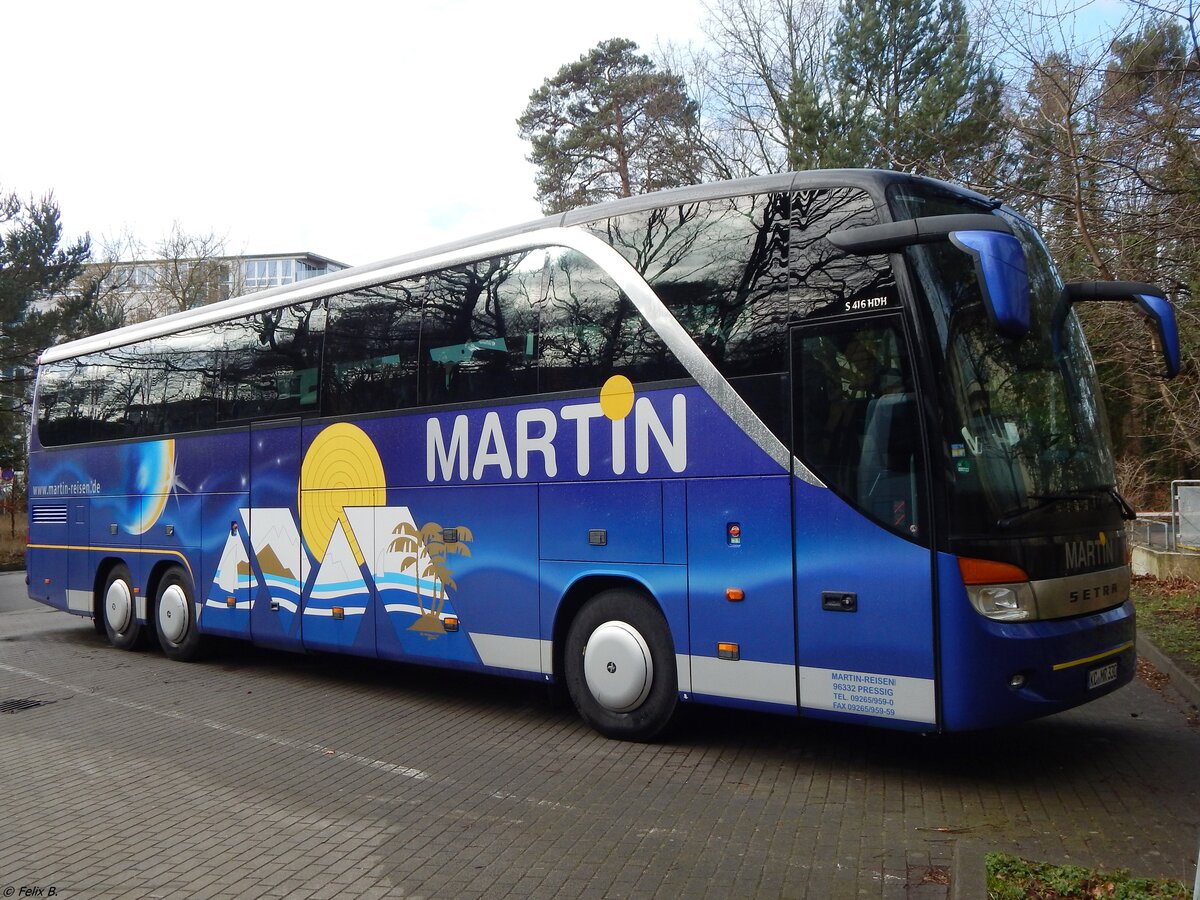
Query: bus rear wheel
pixel 620 666
pixel 175 618
pixel 119 610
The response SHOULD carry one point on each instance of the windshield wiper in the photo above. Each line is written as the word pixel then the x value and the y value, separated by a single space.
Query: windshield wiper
pixel 1045 501
pixel 1128 513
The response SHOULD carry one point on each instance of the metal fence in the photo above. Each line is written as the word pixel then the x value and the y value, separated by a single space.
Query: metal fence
pixel 1177 531
pixel 1185 512
pixel 1152 530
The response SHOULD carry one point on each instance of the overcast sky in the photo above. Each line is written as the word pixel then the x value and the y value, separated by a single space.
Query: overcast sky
pixel 357 130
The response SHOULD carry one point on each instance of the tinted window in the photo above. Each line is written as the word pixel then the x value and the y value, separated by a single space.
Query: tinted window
pixel 824 280
pixel 181 372
pixel 271 363
pixel 591 331
pixel 479 330
pixel 911 200
pixel 733 272
pixel 371 348
pixel 720 267
pixel 121 406
pixel 69 393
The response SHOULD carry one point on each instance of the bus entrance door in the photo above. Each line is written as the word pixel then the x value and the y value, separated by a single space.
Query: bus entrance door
pixel 864 601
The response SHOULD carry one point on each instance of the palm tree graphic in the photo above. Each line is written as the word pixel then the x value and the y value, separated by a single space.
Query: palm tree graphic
pixel 433 544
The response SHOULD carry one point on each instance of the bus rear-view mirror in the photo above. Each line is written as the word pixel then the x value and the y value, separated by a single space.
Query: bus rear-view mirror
pixel 1002 275
pixel 1149 299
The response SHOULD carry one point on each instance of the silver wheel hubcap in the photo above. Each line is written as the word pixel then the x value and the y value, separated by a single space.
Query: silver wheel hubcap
pixel 118 606
pixel 173 614
pixel 617 667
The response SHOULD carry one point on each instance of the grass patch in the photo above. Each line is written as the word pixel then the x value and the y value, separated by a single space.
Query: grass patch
pixel 1168 612
pixel 1012 878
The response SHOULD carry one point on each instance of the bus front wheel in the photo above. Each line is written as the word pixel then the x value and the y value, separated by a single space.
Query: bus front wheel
pixel 175 618
pixel 620 666
pixel 119 610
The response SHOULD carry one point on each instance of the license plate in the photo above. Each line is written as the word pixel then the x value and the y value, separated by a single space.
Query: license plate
pixel 1103 675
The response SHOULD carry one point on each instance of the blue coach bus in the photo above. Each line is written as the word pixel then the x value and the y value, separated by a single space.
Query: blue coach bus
pixel 825 443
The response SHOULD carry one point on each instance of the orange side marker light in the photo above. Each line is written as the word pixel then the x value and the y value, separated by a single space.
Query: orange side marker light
pixel 988 571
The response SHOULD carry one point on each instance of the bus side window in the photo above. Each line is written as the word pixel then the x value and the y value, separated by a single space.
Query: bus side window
pixel 371 348
pixel 270 363
pixel 66 402
pixel 181 381
pixel 856 425
pixel 119 400
pixel 591 331
pixel 720 267
pixel 478 333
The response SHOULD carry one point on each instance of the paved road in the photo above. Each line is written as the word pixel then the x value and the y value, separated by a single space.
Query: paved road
pixel 267 774
pixel 13 594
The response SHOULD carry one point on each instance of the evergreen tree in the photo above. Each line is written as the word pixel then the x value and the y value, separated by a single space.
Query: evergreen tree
pixel 1150 107
pixel 911 89
pixel 900 84
pixel 1147 114
pixel 40 303
pixel 609 125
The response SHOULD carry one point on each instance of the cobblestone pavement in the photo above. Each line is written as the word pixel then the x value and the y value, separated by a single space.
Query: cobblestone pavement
pixel 267 774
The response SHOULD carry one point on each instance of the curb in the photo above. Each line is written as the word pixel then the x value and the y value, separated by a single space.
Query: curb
pixel 968 874
pixel 1180 680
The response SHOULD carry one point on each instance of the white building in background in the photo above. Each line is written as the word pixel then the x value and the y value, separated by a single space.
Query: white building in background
pixel 149 288
pixel 267 271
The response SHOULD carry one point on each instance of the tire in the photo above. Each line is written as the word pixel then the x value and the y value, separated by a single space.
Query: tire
pixel 118 608
pixel 620 666
pixel 175 618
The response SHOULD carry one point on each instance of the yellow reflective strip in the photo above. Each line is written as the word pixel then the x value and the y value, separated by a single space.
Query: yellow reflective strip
pixel 182 558
pixel 1089 659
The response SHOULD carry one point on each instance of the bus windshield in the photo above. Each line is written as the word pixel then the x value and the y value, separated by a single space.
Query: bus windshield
pixel 1024 431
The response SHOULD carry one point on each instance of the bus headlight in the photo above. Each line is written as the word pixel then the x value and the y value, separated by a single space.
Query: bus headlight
pixel 1004 602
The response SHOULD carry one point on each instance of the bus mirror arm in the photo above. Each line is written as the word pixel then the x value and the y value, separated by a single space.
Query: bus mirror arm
pixel 1151 300
pixel 892 237
pixel 988 240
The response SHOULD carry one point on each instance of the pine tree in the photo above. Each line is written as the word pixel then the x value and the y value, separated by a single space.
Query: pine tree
pixel 1106 164
pixel 912 91
pixel 37 306
pixel 609 125
pixel 892 83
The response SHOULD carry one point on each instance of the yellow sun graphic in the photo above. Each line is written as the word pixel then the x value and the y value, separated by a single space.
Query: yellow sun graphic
pixel 341 468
